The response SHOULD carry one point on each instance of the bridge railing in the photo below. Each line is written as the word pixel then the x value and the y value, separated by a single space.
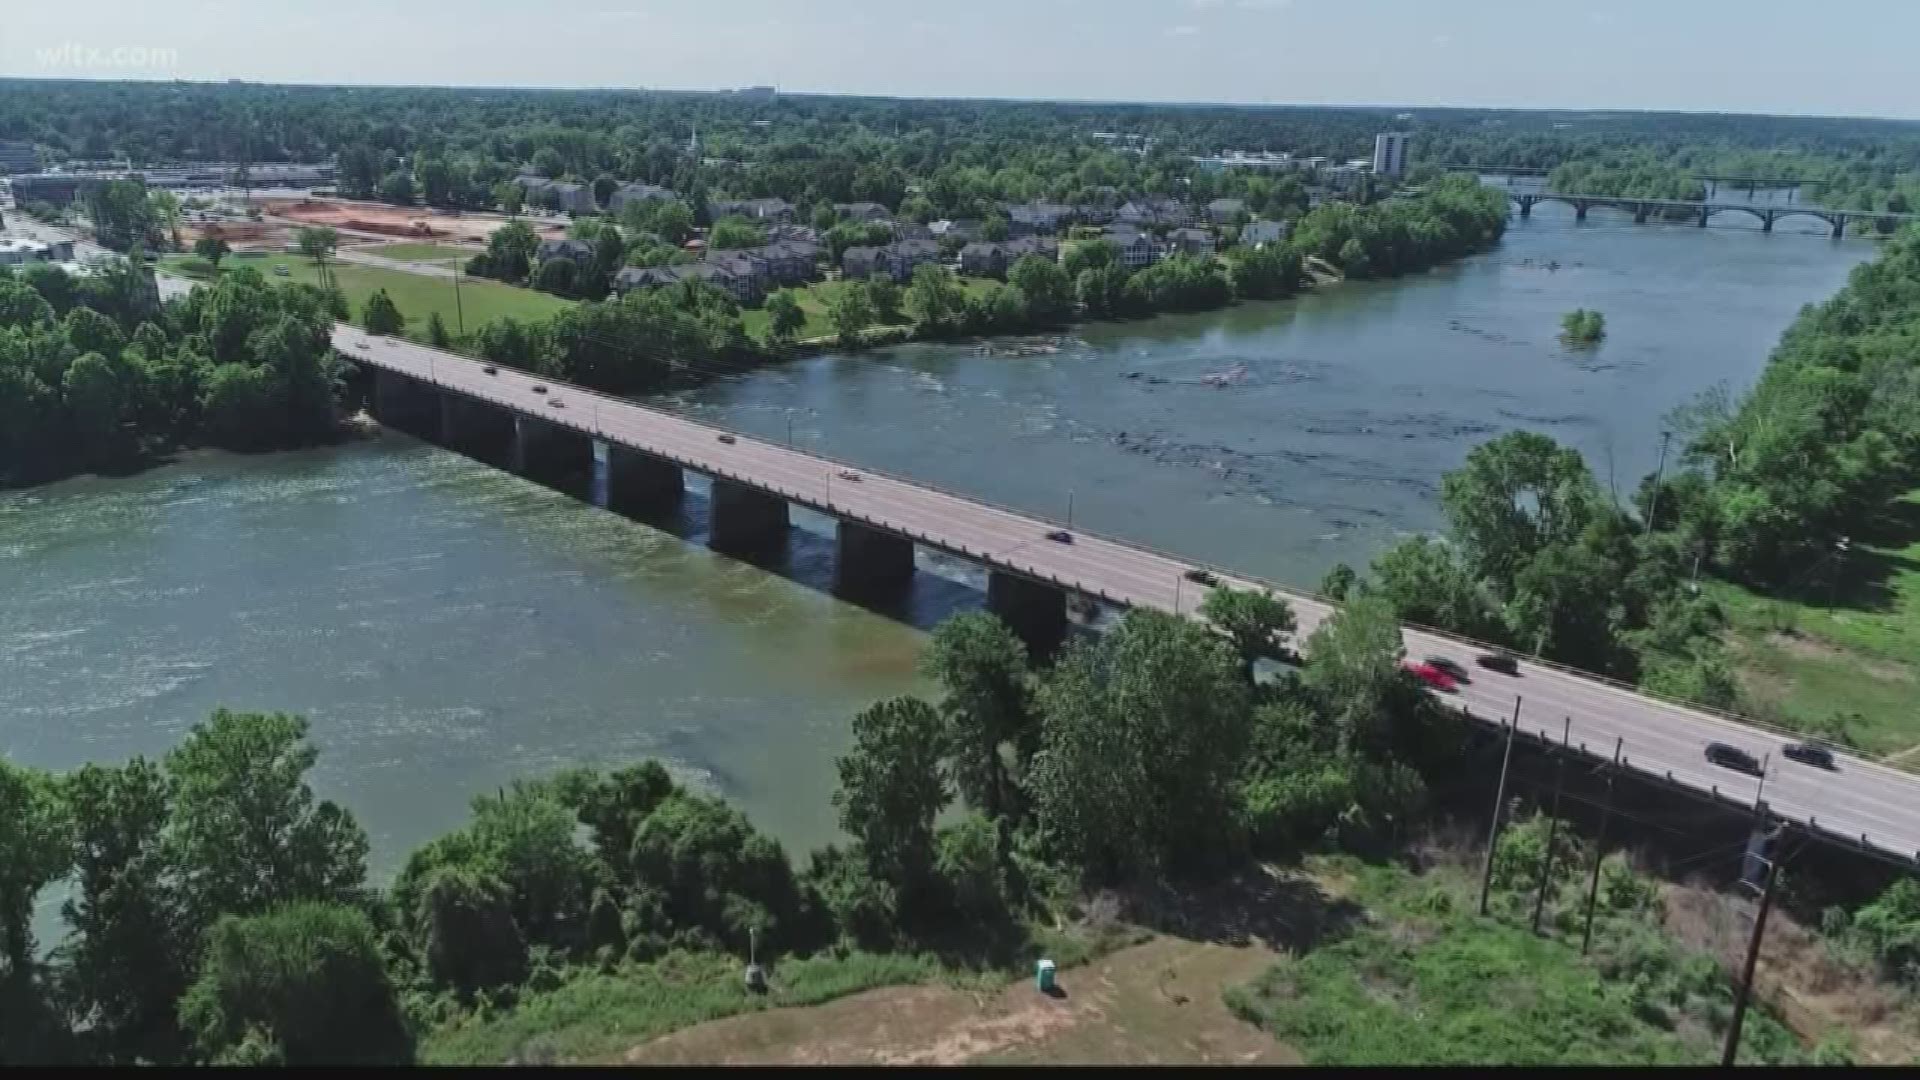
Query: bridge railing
pixel 1181 563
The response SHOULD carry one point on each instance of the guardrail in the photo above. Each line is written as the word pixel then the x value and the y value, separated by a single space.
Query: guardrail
pixel 1181 562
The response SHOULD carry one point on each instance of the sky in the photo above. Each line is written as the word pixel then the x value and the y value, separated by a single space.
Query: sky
pixel 1832 57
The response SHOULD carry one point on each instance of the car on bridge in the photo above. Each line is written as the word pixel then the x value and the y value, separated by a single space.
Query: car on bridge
pixel 1809 753
pixel 1430 675
pixel 1201 577
pixel 1504 663
pixel 1060 536
pixel 1732 757
pixel 1453 669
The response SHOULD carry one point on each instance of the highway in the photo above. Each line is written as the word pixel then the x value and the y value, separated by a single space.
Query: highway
pixel 1861 802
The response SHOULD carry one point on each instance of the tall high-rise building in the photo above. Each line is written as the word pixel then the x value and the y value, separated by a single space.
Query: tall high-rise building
pixel 1390 153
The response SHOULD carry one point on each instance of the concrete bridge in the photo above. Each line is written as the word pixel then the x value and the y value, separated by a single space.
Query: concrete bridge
pixel 624 455
pixel 1698 212
pixel 1750 183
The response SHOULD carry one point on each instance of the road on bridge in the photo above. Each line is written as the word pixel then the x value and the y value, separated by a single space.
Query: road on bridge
pixel 1862 802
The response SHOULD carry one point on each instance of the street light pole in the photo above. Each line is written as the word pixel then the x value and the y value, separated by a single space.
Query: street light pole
pixel 1069 508
pixel 1659 476
pixel 459 312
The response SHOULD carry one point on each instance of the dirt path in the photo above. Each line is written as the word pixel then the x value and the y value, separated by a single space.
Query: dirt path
pixel 1155 1003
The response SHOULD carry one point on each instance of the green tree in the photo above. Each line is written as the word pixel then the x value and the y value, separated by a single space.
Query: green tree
pixel 1047 288
pixel 935 298
pixel 892 787
pixel 1256 622
pixel 785 318
pixel 1339 582
pixel 885 295
pixel 381 315
pixel 509 197
pixel 559 276
pixel 510 252
pixel 397 188
pixel 735 232
pixel 35 852
pixel 318 242
pixel 246 832
pixel 1583 327
pixel 1515 495
pixel 94 397
pixel 850 313
pixel 166 210
pixel 468 939
pixel 1353 671
pixel 437 335
pixel 988 710
pixel 213 249
pixel 968 861
pixel 603 188
pixel 1141 738
pixel 127 956
pixel 714 874
pixel 299 984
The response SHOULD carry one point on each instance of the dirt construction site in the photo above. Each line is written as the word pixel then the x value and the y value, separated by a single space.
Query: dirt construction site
pixel 377 221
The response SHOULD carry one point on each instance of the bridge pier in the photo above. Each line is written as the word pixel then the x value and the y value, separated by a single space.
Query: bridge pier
pixel 475 427
pixel 1036 613
pixel 1640 213
pixel 870 562
pixel 549 453
pixel 404 403
pixel 1766 223
pixel 1580 211
pixel 1526 207
pixel 1703 216
pixel 744 520
pixel 626 479
pixel 1839 228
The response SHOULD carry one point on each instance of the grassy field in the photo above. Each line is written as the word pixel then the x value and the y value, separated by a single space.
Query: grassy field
pixel 601 1015
pixel 416 295
pixel 421 252
pixel 1155 1003
pixel 1844 641
pixel 1424 980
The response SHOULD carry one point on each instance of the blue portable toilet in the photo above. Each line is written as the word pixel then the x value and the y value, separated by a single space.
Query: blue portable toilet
pixel 1043 976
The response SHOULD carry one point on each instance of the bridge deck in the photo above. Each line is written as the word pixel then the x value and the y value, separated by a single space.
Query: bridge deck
pixel 1864 803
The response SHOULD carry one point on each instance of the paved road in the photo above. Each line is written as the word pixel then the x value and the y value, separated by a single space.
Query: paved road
pixel 1860 800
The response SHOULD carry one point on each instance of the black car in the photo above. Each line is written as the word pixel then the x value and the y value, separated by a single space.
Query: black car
pixel 491 369
pixel 1501 662
pixel 1060 536
pixel 1732 757
pixel 1807 753
pixel 728 439
pixel 1454 669
pixel 539 388
pixel 1202 577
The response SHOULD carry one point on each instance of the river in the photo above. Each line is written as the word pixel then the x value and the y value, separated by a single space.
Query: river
pixel 448 627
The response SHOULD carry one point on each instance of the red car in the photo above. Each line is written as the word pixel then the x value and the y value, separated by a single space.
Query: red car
pixel 1431 675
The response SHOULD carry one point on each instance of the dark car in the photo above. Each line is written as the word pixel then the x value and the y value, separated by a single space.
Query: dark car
pixel 1732 757
pixel 1497 661
pixel 1807 753
pixel 1202 577
pixel 728 439
pixel 539 388
pixel 491 369
pixel 1453 668
pixel 1060 536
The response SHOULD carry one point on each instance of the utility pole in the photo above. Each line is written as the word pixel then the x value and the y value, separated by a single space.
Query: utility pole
pixel 1600 849
pixel 1499 807
pixel 1553 828
pixel 459 313
pixel 1659 475
pixel 1742 992
pixel 1069 508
